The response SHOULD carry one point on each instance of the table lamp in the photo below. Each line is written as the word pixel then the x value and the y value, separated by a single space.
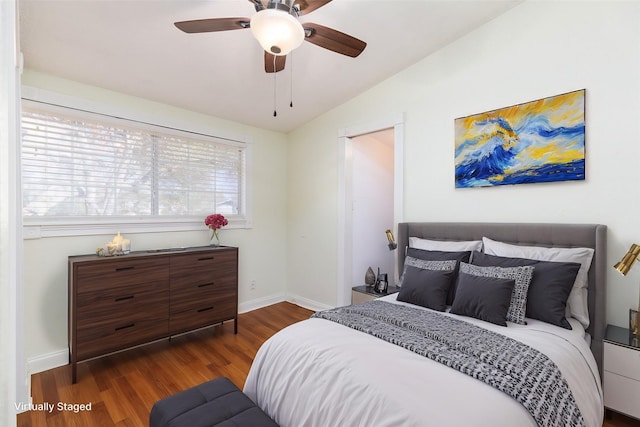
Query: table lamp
pixel 623 266
pixel 392 241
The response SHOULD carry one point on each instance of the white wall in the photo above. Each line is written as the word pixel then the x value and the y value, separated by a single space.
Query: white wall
pixel 535 50
pixel 262 250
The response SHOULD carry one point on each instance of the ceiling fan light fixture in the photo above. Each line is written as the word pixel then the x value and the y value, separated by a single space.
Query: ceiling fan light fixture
pixel 277 31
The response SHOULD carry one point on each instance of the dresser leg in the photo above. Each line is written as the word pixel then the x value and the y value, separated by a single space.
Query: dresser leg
pixel 74 372
pixel 235 326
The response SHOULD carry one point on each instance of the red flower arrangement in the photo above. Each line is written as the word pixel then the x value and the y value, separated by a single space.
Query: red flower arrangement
pixel 215 222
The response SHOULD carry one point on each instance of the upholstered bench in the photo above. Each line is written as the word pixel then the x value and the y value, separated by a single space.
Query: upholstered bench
pixel 215 403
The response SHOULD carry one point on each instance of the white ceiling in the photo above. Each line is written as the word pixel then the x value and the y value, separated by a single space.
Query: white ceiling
pixel 132 46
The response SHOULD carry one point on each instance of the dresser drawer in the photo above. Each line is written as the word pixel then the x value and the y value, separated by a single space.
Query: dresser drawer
pixel 203 267
pixel 206 313
pixel 203 280
pixel 622 361
pixel 200 296
pixel 123 320
pixel 621 394
pixel 121 271
pixel 125 332
pixel 99 306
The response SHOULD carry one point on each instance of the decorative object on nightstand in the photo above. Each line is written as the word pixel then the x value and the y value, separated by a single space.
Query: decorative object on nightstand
pixel 382 283
pixel 623 266
pixel 621 376
pixel 377 285
pixel 370 277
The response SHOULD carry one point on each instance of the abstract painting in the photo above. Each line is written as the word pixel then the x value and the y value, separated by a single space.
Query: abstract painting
pixel 538 141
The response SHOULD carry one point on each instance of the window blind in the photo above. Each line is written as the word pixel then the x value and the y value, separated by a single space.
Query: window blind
pixel 76 165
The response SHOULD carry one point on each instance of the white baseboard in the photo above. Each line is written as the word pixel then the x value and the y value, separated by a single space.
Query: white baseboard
pixel 274 299
pixel 261 302
pixel 307 303
pixel 47 361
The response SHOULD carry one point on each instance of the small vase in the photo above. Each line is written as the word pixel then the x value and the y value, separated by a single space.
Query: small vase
pixel 215 240
pixel 370 277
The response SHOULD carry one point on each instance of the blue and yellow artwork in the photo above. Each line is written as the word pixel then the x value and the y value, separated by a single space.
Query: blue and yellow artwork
pixel 539 141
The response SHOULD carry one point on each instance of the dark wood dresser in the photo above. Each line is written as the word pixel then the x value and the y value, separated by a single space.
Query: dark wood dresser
pixel 124 301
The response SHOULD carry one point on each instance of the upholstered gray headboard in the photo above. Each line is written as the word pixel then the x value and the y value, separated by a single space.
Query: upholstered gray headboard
pixel 559 235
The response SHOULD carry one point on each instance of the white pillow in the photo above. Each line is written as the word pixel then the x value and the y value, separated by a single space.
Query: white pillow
pixel 445 246
pixel 577 305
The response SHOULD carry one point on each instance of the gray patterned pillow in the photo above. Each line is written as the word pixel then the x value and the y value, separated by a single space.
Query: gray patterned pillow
pixel 522 277
pixel 426 265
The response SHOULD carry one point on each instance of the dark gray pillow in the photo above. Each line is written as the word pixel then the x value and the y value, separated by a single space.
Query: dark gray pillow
pixel 549 287
pixel 485 298
pixel 427 288
pixel 442 256
pixel 426 265
pixel 522 275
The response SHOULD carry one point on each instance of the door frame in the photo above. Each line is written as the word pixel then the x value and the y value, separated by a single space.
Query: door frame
pixel 345 195
pixel 15 387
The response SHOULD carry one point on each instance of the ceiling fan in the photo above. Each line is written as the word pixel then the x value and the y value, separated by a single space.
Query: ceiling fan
pixel 277 28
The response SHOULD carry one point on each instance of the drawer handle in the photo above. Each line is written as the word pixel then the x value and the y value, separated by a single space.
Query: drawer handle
pixel 206 284
pixel 125 298
pixel 131 267
pixel 130 325
pixel 205 309
pixel 205 259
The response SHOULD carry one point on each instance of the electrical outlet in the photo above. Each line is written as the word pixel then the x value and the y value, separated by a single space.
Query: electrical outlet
pixel 253 285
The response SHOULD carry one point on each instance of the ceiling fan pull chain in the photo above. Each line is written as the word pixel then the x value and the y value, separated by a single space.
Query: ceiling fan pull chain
pixel 275 113
pixel 291 89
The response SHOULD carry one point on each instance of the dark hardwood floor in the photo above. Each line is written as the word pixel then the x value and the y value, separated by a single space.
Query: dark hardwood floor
pixel 618 420
pixel 123 387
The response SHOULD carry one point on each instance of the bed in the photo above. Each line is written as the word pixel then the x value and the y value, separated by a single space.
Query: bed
pixel 325 371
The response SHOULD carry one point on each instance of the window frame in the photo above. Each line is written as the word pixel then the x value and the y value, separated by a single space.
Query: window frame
pixel 39 227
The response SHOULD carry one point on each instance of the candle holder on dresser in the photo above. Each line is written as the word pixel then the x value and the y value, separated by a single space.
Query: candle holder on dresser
pixel 118 246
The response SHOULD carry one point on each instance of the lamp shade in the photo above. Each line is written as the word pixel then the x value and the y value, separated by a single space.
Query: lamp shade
pixel 627 260
pixel 277 31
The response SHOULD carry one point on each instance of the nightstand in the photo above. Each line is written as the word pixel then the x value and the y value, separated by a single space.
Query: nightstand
pixel 621 371
pixel 366 293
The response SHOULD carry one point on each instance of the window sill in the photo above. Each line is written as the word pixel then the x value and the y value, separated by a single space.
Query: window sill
pixel 37 229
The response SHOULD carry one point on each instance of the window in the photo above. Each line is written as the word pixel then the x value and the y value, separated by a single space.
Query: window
pixel 78 166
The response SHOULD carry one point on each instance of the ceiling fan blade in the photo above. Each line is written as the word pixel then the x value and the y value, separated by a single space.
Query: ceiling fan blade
pixel 259 4
pixel 308 6
pixel 334 40
pixel 268 62
pixel 213 24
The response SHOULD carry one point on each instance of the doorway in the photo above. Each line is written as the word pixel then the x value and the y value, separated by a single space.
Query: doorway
pixel 370 192
pixel 372 203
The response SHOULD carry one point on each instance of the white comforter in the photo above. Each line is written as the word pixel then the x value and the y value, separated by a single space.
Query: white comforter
pixel 320 373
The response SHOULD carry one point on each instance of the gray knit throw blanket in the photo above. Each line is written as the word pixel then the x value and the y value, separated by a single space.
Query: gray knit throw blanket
pixel 524 373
